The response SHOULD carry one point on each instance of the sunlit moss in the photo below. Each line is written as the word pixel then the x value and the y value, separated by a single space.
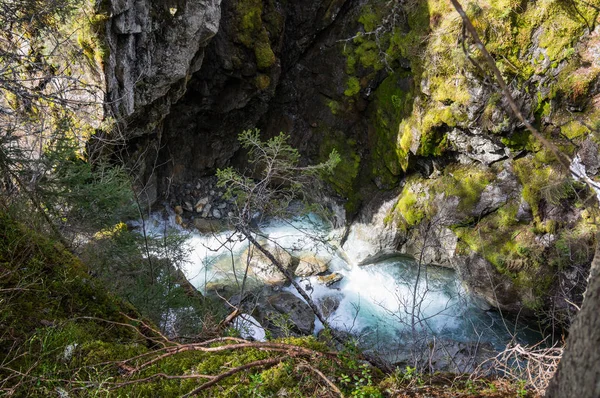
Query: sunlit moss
pixel 353 87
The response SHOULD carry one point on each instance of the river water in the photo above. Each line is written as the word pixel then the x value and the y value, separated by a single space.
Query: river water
pixel 383 304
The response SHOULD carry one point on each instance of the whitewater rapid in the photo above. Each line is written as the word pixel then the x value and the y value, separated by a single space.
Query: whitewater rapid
pixel 381 305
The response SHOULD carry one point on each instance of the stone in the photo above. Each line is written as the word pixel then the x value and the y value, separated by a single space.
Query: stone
pixel 284 314
pixel 370 236
pixel 545 240
pixel 483 280
pixel 140 38
pixel 178 219
pixel 330 279
pixel 310 265
pixel 216 213
pixel 440 249
pixel 206 226
pixel 200 204
pixel 178 210
pixel 296 309
pixel 505 187
pixel 222 288
pixel 222 206
pixel 446 355
pixel 524 213
pixel 588 153
pixel 206 210
pixel 329 304
pixel 187 206
pixel 476 147
pixel 264 269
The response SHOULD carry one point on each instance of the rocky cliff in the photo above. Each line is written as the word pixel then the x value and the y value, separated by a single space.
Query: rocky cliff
pixel 405 99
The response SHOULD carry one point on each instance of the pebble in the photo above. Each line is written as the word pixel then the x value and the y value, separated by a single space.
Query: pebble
pixel 216 214
pixel 200 204
pixel 206 211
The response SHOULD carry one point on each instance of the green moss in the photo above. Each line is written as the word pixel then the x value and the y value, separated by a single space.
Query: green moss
pixel 574 130
pixel 406 139
pixel 265 58
pixel 368 54
pixel 433 127
pixel 369 19
pixel 574 81
pixel 392 101
pixel 57 289
pixel 502 240
pixel 90 27
pixel 249 21
pixel 262 82
pixel 467 183
pixel 449 90
pixel 373 53
pixel 534 176
pixel 408 207
pixel 519 140
pixel 335 106
pixel 353 87
pixel 252 30
pixel 560 31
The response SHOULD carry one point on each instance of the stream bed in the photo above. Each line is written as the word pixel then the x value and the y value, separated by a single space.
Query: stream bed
pixel 384 305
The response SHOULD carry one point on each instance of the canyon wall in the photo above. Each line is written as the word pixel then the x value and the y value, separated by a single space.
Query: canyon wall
pixel 433 162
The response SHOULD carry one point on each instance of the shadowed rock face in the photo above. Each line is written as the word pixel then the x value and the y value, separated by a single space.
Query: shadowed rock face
pixel 185 95
pixel 249 73
pixel 155 47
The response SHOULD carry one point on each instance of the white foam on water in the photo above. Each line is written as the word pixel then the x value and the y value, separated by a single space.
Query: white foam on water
pixel 210 259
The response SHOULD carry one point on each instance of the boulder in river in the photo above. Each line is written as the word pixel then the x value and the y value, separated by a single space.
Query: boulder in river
pixel 207 226
pixel 330 279
pixel 310 265
pixel 264 269
pixel 329 304
pixel 285 314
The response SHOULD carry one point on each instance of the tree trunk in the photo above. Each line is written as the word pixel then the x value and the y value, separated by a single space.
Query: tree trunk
pixel 578 373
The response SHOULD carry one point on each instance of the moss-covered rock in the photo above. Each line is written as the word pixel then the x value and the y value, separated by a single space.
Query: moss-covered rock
pixel 253 31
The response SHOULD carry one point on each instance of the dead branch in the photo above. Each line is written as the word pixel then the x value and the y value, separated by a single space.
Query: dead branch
pixel 322 376
pixel 234 314
pixel 533 364
pixel 290 350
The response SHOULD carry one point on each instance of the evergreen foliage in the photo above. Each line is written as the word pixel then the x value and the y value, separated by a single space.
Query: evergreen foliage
pixel 277 178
